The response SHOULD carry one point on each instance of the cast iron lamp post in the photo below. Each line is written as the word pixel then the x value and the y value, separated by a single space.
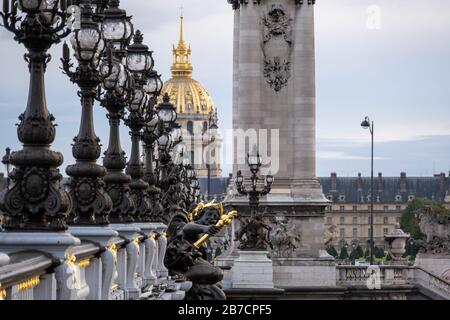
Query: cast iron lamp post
pixel 367 124
pixel 167 116
pixel 6 160
pixel 37 200
pixel 117 32
pixel 139 62
pixel 91 203
pixel 254 162
pixel 212 131
pixel 253 229
pixel 152 87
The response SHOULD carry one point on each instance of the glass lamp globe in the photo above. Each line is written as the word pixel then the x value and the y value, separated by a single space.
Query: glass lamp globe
pixel 167 112
pixel 153 84
pixel 153 123
pixel 32 5
pixel 139 59
pixel 116 27
pixel 163 141
pixel 254 162
pixel 87 44
pixel 139 101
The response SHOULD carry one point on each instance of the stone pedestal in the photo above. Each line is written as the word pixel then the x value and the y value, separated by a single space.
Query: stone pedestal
pixel 149 262
pixel 252 270
pixel 102 271
pixel 437 264
pixel 304 272
pixel 129 262
pixel 161 239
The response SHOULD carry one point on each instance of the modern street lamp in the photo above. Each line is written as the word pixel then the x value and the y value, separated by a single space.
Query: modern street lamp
pixel 37 200
pixel 91 204
pixel 367 124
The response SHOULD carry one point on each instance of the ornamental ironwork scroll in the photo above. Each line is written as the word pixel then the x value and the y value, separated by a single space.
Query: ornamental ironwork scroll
pixel 277 45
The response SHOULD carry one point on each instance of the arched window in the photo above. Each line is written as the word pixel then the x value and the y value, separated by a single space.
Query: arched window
pixel 190 127
pixel 205 126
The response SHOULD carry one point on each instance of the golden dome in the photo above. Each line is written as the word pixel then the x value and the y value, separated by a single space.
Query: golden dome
pixel 187 94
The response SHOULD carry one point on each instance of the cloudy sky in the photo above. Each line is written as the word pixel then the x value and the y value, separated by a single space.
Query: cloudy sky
pixel 388 59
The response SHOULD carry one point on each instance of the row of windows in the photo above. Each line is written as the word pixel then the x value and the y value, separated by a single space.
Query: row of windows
pixel 355 208
pixel 355 220
pixel 355 232
pixel 398 198
pixel 190 127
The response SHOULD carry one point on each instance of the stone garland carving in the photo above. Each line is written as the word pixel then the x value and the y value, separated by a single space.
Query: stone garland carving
pixel 277 34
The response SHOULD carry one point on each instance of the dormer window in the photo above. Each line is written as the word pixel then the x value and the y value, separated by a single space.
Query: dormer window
pixel 342 197
pixel 398 198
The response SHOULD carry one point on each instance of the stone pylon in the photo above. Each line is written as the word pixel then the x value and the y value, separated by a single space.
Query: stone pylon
pixel 274 112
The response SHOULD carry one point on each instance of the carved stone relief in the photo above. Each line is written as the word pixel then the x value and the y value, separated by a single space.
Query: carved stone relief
pixel 277 44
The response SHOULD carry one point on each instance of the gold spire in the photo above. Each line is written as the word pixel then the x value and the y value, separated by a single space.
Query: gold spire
pixel 182 66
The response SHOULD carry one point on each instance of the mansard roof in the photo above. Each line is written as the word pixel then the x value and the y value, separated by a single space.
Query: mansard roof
pixel 386 189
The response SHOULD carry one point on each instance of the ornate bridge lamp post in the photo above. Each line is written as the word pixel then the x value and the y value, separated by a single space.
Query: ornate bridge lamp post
pixel 254 163
pixel 253 240
pixel 152 87
pixel 117 32
pixel 167 115
pixel 139 62
pixel 36 206
pixel 36 200
pixel 119 86
pixel 6 160
pixel 91 203
pixel 253 235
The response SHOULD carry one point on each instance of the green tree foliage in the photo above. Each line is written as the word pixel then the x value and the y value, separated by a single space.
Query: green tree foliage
pixel 360 251
pixel 332 251
pixel 408 221
pixel 344 253
pixel 378 252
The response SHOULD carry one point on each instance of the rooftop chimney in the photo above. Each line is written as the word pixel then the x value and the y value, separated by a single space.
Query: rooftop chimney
pixel 403 184
pixel 333 182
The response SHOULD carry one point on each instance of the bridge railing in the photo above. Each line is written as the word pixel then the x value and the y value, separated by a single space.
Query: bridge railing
pixel 374 276
pixel 92 272
pixel 431 284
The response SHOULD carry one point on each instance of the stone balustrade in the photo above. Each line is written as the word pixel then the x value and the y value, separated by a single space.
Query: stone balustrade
pixel 117 262
pixel 393 276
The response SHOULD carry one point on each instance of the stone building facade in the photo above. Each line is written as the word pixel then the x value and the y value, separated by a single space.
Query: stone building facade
pixel 349 212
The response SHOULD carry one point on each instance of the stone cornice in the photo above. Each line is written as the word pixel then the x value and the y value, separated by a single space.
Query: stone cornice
pixel 236 4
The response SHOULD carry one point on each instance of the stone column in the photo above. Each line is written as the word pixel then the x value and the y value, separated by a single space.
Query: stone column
pixel 249 75
pixel 305 183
